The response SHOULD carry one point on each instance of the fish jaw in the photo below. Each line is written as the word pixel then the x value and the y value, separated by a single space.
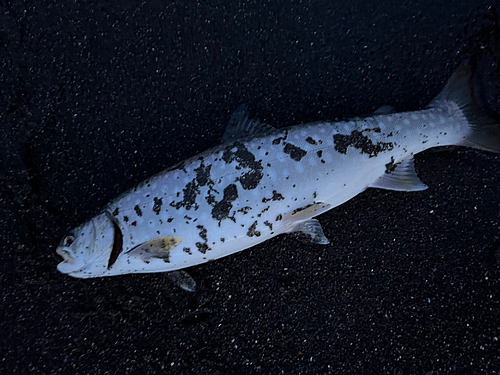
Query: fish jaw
pixel 87 249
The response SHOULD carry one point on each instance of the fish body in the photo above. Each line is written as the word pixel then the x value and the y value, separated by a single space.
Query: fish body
pixel 262 182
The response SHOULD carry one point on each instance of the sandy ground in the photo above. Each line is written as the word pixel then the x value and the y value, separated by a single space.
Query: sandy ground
pixel 97 96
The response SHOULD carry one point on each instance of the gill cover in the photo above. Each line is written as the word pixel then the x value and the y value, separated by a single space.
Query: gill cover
pixel 88 248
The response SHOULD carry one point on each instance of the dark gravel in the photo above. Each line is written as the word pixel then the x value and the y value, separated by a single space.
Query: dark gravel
pixel 97 96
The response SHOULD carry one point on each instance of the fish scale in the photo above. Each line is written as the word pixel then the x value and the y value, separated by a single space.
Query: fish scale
pixel 262 182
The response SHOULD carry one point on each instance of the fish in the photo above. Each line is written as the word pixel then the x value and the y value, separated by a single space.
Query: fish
pixel 260 182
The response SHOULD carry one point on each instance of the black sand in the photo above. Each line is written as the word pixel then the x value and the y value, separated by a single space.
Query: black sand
pixel 97 96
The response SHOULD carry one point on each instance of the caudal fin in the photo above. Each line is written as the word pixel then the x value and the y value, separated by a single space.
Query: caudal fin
pixel 485 130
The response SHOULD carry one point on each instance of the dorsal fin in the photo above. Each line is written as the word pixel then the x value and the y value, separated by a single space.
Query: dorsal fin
pixel 403 178
pixel 240 126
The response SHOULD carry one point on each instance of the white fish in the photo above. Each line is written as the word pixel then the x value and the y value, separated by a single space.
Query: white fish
pixel 262 182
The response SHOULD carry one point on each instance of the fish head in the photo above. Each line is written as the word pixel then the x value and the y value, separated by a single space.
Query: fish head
pixel 87 248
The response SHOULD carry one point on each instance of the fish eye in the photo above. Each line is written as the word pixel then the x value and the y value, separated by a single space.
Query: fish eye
pixel 68 240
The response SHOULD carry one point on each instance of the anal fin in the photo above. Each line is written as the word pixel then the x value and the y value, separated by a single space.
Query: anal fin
pixel 312 229
pixel 301 220
pixel 402 178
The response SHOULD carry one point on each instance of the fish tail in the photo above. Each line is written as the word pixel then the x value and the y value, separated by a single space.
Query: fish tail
pixel 485 130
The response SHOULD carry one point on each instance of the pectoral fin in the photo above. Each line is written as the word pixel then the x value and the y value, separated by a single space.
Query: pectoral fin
pixel 156 248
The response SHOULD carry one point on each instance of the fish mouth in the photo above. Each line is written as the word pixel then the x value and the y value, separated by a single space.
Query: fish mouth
pixel 91 248
pixel 70 264
pixel 66 255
